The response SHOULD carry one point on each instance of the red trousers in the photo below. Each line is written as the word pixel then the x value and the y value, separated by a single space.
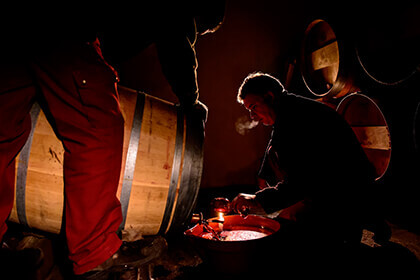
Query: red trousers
pixel 78 89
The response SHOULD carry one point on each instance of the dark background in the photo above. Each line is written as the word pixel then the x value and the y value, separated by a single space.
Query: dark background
pixel 265 36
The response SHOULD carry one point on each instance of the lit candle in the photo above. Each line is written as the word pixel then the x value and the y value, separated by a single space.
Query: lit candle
pixel 220 220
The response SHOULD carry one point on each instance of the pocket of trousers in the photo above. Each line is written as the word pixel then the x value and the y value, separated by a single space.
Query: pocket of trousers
pixel 99 97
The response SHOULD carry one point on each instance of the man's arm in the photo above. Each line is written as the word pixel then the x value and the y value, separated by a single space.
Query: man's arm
pixel 176 51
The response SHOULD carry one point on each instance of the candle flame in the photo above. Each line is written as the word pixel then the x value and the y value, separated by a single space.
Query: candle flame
pixel 220 216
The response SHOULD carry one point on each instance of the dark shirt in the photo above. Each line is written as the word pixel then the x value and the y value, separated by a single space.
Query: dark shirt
pixel 318 154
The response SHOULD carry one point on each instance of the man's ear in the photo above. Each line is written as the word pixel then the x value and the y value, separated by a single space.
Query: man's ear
pixel 269 95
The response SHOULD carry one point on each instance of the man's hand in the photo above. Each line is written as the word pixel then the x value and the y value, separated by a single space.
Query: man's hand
pixel 262 184
pixel 198 110
pixel 201 110
pixel 245 204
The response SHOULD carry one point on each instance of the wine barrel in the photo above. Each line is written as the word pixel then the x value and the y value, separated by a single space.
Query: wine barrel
pixel 387 43
pixel 160 175
pixel 370 127
pixel 325 62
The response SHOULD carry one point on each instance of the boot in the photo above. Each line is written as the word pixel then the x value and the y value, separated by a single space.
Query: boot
pixel 130 255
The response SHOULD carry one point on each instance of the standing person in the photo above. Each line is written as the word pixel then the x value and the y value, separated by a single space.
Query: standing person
pixel 314 165
pixel 77 89
pixel 174 29
pixel 67 74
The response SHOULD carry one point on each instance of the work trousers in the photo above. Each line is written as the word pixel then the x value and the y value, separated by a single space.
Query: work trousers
pixel 77 90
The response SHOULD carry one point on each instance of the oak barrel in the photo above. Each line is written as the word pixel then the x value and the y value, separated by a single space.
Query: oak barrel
pixel 160 174
pixel 387 43
pixel 325 61
pixel 370 126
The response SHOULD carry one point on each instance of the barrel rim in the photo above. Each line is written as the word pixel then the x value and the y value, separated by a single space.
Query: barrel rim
pixel 192 169
pixel 342 81
pixel 342 106
pixel 379 80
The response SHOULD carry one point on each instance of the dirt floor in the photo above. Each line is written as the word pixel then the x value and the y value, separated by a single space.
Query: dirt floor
pixel 184 261
pixel 187 260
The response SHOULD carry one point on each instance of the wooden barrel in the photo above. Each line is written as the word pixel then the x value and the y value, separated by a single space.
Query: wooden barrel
pixel 388 43
pixel 325 62
pixel 160 175
pixel 370 127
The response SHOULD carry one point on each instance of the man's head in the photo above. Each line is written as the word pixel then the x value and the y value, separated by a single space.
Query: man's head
pixel 209 15
pixel 257 94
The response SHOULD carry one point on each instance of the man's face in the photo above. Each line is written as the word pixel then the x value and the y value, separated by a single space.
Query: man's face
pixel 261 108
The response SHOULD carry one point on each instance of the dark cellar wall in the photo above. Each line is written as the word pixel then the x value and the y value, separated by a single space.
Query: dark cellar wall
pixel 264 36
pixel 255 36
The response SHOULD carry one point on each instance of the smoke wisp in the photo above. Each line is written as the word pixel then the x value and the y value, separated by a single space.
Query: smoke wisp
pixel 244 124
